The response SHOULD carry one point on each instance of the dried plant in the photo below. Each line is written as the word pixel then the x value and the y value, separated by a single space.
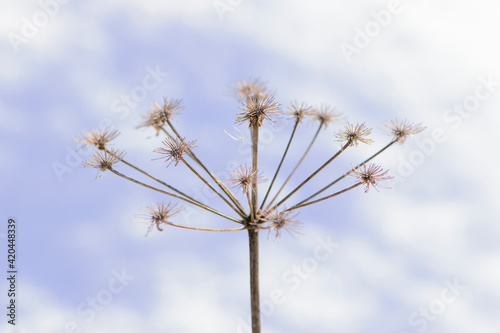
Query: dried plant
pixel 257 105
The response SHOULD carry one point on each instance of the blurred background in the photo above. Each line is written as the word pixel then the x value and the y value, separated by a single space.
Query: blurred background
pixel 422 256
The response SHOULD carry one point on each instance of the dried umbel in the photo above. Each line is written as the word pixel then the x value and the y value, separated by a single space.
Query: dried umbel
pixel 250 214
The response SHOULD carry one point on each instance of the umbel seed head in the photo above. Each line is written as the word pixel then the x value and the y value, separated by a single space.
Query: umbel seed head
pixel 158 116
pixel 104 160
pixel 158 214
pixel 257 108
pixel 174 150
pixel 401 129
pixel 243 176
pixel 353 134
pixel 370 175
pixel 99 139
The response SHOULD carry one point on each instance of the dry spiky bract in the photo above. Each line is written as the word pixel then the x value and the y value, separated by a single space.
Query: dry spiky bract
pixel 174 150
pixel 353 134
pixel 158 214
pixel 98 139
pixel 104 160
pixel 247 88
pixel 158 116
pixel 256 109
pixel 370 175
pixel 242 178
pixel 401 129
pixel 284 220
pixel 299 110
pixel 251 214
pixel 326 114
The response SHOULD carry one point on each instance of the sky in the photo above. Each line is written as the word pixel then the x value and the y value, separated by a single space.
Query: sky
pixel 420 256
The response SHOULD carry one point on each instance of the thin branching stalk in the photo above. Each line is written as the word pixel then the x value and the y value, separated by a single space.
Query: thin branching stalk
pixel 193 170
pixel 281 163
pixel 205 229
pixel 221 185
pixel 324 198
pixel 298 164
pixel 312 175
pixel 253 236
pixel 154 178
pixel 347 173
pixel 207 208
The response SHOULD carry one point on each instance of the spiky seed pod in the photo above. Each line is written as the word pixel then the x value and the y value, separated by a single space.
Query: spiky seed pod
pixel 158 214
pixel 174 150
pixel 247 88
pixel 242 178
pixel 157 117
pixel 401 129
pixel 326 114
pixel 299 110
pixel 99 139
pixel 257 108
pixel 353 134
pixel 103 160
pixel 284 220
pixel 370 175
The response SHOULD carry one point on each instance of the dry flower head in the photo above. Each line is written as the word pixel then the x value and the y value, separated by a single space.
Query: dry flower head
pixel 242 178
pixel 401 129
pixel 353 134
pixel 370 175
pixel 158 116
pixel 158 214
pixel 299 110
pixel 174 150
pixel 99 139
pixel 104 160
pixel 326 114
pixel 256 109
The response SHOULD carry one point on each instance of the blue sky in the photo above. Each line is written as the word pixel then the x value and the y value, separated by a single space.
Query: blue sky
pixel 420 257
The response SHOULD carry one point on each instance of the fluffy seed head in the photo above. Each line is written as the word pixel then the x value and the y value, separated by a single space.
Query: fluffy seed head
pixel 401 129
pixel 247 88
pixel 98 139
pixel 174 150
pixel 299 110
pixel 104 160
pixel 158 214
pixel 256 109
pixel 370 175
pixel 282 220
pixel 242 178
pixel 326 114
pixel 157 117
pixel 353 134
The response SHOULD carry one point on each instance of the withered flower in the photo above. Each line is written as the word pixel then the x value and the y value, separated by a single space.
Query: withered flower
pixel 326 114
pixel 283 220
pixel 157 214
pixel 401 129
pixel 242 178
pixel 103 160
pixel 98 139
pixel 175 149
pixel 256 109
pixel 352 134
pixel 299 111
pixel 370 175
pixel 247 88
pixel 157 117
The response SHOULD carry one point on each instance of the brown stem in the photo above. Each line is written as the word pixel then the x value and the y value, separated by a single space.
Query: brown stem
pixel 207 208
pixel 255 151
pixel 281 163
pixel 324 198
pixel 253 240
pixel 347 173
pixel 297 166
pixel 190 167
pixel 221 185
pixel 314 174
pixel 204 229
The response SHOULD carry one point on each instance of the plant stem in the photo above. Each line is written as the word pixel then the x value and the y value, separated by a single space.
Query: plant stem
pixel 190 167
pixel 348 172
pixel 297 166
pixel 223 187
pixel 207 208
pixel 152 177
pixel 204 229
pixel 253 240
pixel 314 174
pixel 281 163
pixel 253 235
pixel 255 151
pixel 324 198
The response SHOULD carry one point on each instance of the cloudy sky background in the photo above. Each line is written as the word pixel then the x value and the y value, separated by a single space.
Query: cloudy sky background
pixel 397 251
